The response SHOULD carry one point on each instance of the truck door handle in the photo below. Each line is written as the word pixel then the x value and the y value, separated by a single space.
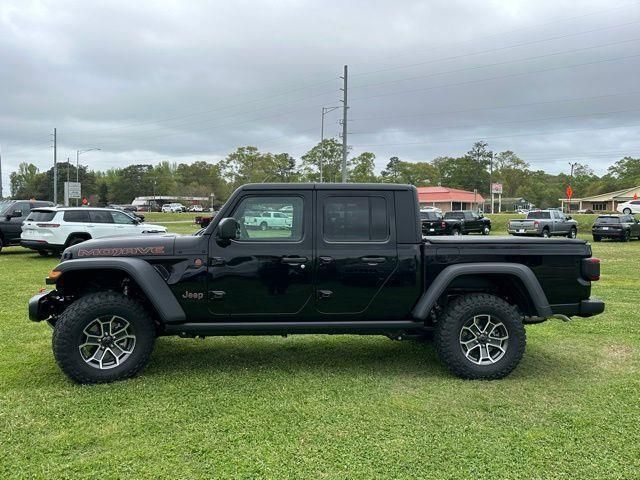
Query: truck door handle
pixel 373 260
pixel 325 260
pixel 293 260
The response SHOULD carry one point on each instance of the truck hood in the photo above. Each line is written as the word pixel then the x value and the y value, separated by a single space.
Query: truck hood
pixel 138 246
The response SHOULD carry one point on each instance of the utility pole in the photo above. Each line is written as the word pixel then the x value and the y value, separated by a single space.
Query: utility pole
pixel 345 108
pixel 572 165
pixel 491 180
pixel 55 167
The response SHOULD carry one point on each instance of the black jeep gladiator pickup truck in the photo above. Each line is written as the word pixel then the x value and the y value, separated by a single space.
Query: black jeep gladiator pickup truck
pixel 351 260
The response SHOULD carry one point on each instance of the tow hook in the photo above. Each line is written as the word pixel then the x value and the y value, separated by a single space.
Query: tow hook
pixel 559 316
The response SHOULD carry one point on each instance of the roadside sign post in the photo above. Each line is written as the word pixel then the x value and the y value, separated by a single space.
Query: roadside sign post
pixel 496 188
pixel 569 193
pixel 72 190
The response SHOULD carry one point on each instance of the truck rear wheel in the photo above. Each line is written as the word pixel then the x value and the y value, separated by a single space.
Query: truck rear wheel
pixel 545 232
pixel 103 337
pixel 480 336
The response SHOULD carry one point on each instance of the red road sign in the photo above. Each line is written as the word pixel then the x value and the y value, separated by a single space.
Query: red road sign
pixel 635 196
pixel 85 201
pixel 569 192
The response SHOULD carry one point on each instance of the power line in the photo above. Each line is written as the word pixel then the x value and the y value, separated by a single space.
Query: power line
pixel 506 62
pixel 499 77
pixel 506 32
pixel 497 107
pixel 511 122
pixel 497 49
pixel 471 139
pixel 204 112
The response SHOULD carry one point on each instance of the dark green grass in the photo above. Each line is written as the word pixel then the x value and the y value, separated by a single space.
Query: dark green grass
pixel 328 407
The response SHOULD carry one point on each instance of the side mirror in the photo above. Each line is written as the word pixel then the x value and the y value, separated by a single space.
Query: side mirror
pixel 227 229
pixel 569 217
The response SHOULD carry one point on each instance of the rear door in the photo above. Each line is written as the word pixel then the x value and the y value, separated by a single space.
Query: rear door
pixel 356 250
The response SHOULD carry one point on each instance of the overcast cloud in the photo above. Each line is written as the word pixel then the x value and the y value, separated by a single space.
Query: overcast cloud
pixel 184 81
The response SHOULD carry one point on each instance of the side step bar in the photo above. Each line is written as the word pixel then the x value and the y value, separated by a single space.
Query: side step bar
pixel 285 328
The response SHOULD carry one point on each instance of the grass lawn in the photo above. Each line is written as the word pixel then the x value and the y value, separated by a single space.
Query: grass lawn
pixel 327 406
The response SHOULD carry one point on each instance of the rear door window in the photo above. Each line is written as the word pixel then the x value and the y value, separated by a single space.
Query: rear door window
pixel 355 219
pixel 100 216
pixel 76 216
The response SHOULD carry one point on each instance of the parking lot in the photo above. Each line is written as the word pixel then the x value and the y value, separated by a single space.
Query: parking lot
pixel 344 406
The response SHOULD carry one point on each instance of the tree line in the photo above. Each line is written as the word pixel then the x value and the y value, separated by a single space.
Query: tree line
pixel 474 170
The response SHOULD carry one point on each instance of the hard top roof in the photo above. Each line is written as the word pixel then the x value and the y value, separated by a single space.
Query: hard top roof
pixel 326 186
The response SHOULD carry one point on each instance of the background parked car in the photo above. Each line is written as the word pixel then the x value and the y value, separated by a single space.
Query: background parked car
pixel 173 208
pixel 196 208
pixel 544 223
pixel 51 230
pixel 12 214
pixel 629 207
pixel 462 222
pixel 621 227
pixel 267 220
pixel 432 223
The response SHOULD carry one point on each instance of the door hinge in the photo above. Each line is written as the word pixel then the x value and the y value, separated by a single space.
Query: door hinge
pixel 216 294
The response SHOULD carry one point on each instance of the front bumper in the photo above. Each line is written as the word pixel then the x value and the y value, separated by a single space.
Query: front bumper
pixel 40 307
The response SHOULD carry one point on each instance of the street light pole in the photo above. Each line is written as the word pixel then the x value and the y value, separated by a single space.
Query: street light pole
pixel 325 110
pixel 78 153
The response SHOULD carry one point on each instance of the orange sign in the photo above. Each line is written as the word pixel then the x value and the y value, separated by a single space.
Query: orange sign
pixel 569 192
pixel 635 196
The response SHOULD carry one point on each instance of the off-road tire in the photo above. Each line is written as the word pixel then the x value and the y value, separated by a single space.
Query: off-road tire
pixel 68 333
pixel 573 233
pixel 449 326
pixel 75 240
pixel 545 233
pixel 597 238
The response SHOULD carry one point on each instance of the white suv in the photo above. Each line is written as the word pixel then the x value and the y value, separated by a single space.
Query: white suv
pixel 629 207
pixel 173 208
pixel 49 230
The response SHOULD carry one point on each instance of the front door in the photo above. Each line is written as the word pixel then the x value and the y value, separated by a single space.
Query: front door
pixel 356 250
pixel 266 270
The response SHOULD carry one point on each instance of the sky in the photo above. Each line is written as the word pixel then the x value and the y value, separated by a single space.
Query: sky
pixel 556 81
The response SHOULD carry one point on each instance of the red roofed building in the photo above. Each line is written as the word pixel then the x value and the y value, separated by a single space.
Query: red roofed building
pixel 447 199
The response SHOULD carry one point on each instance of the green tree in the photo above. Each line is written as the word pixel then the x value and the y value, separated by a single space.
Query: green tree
pixel 329 154
pixel 25 182
pixel 510 170
pixel 132 181
pixel 362 168
pixel 393 171
pixel 626 172
pixel 247 165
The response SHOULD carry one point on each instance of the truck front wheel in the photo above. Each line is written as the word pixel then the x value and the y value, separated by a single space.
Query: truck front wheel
pixel 103 337
pixel 480 336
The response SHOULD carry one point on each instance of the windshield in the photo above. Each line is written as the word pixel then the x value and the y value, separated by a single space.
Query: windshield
pixel 608 220
pixel 430 216
pixel 539 215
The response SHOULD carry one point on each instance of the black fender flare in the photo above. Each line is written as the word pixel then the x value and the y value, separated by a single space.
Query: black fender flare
pixel 143 273
pixel 443 280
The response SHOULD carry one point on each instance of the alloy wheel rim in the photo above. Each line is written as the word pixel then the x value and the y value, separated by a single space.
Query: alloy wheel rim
pixel 107 342
pixel 484 339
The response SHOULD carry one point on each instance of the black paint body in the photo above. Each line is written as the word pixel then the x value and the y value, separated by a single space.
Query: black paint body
pixel 312 279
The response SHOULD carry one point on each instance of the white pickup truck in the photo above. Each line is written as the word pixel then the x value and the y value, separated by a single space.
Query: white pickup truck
pixel 267 220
